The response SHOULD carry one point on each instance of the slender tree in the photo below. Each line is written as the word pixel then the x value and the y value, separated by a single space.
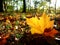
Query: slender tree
pixel 55 5
pixel 24 5
pixel 35 5
pixel 1 5
pixel 29 4
pixel 49 5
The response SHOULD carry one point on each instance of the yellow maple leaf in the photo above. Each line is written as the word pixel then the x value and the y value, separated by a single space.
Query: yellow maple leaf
pixel 39 25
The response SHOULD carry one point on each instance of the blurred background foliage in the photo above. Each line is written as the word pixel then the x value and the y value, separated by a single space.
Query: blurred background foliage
pixel 29 6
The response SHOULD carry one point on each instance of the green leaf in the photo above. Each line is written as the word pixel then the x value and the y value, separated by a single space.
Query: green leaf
pixel 48 0
pixel 19 35
pixel 17 22
pixel 8 26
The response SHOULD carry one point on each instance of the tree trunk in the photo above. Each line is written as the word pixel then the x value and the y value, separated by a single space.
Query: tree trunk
pixel 24 5
pixel 49 8
pixel 1 5
pixel 55 6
